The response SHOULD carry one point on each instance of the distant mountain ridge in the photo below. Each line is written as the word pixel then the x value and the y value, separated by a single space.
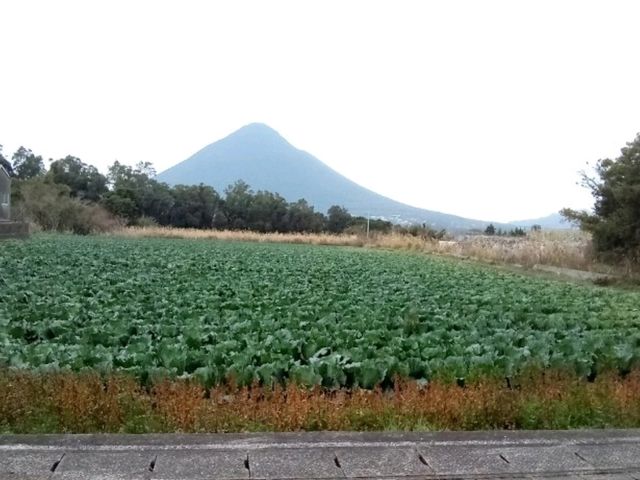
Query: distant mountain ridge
pixel 555 221
pixel 261 157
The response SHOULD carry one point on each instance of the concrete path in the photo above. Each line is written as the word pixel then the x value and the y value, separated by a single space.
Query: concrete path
pixel 604 454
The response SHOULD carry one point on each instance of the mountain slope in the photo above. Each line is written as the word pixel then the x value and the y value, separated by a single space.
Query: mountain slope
pixel 258 155
pixel 555 221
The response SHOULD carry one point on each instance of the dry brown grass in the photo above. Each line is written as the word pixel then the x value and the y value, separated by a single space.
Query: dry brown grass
pixel 86 402
pixel 563 248
pixel 241 236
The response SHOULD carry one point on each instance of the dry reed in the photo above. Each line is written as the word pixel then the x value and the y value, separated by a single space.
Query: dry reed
pixel 86 402
pixel 241 236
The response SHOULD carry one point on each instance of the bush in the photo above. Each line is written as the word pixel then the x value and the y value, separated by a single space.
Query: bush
pixel 422 231
pixel 145 221
pixel 49 206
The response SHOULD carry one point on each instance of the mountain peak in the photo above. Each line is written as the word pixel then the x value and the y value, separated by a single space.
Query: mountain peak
pixel 258 127
pixel 257 132
pixel 260 156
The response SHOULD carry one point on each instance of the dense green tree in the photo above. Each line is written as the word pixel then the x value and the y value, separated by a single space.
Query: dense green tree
pixel 220 217
pixel 195 206
pixel 135 194
pixel 238 199
pixel 338 219
pixel 156 201
pixel 615 220
pixel 123 203
pixel 267 212
pixel 84 181
pixel 302 218
pixel 126 176
pixel 490 230
pixel 26 164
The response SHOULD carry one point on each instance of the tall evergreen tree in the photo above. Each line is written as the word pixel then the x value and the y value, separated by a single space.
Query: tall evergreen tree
pixel 615 220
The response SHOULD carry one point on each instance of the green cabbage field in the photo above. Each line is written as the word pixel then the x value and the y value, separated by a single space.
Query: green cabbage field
pixel 335 316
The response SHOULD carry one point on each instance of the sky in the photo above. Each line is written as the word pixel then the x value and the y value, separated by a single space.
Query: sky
pixel 487 110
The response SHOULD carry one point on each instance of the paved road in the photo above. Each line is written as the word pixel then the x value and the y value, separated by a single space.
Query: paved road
pixel 596 455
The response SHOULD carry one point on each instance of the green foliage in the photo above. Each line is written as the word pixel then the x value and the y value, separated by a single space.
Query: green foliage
pixel 338 219
pixel 615 221
pixel 301 217
pixel 84 181
pixel 319 315
pixel 490 230
pixel 134 193
pixel 26 164
pixel 267 212
pixel 192 206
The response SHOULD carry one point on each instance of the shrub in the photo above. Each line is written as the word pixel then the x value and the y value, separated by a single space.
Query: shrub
pixel 422 231
pixel 49 206
pixel 146 222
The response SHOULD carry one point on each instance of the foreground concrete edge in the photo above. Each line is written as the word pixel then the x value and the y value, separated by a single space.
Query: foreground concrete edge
pixel 594 454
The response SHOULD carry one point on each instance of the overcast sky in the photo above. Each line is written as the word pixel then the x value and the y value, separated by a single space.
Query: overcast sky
pixel 486 109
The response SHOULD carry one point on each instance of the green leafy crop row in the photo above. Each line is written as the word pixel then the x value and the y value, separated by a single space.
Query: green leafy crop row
pixel 272 312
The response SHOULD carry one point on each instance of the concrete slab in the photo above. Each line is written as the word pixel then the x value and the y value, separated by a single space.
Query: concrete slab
pixel 590 476
pixel 28 465
pixel 595 455
pixel 284 463
pixel 381 462
pixel 200 464
pixel 610 476
pixel 544 459
pixel 571 477
pixel 457 460
pixel 227 441
pixel 611 456
pixel 87 465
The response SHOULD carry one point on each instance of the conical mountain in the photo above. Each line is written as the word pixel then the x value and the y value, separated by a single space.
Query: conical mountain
pixel 262 158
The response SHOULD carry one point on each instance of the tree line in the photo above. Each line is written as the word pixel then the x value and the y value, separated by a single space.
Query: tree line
pixel 491 230
pixel 70 191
